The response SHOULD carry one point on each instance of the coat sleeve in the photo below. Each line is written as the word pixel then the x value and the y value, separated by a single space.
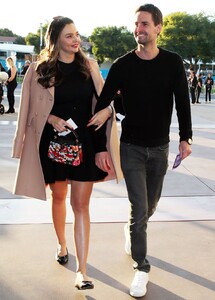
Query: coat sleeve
pixel 107 131
pixel 22 114
pixel 100 135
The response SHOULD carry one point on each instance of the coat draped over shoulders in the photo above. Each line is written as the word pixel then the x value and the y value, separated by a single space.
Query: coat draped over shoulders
pixel 36 103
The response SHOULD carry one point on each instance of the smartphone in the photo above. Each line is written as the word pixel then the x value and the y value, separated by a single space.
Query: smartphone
pixel 177 161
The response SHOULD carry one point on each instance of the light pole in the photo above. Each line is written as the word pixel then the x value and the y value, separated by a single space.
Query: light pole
pixel 41 36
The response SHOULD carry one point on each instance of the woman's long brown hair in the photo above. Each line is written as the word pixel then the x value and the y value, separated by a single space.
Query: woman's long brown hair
pixel 48 71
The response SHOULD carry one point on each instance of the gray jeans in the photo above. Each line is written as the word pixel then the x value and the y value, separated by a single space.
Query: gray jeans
pixel 144 169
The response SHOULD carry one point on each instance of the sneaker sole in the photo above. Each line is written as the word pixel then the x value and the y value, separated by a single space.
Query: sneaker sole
pixel 127 243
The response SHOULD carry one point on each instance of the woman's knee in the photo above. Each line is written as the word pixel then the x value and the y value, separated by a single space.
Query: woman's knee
pixel 58 192
pixel 80 205
pixel 80 196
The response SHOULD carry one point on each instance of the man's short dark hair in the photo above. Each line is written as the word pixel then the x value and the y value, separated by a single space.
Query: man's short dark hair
pixel 157 16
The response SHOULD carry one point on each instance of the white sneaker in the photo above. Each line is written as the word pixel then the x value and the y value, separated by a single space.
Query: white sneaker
pixel 127 239
pixel 138 285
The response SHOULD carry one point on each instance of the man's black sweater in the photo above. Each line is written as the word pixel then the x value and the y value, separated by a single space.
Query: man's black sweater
pixel 148 89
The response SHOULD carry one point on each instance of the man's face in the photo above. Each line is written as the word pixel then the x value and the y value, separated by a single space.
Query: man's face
pixel 145 30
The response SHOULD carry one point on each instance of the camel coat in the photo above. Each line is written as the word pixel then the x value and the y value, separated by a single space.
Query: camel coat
pixel 35 106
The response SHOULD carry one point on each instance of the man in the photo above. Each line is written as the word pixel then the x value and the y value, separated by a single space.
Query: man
pixel 208 87
pixel 149 79
pixel 25 67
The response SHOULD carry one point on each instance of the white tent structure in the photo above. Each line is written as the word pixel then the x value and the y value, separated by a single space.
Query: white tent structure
pixel 12 49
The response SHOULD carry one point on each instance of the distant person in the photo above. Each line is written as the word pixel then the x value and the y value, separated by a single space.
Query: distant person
pixel 25 67
pixel 199 87
pixel 1 92
pixel 11 84
pixel 2 69
pixel 193 85
pixel 208 87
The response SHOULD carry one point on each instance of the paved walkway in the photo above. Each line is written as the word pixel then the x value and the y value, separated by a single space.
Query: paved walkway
pixel 181 232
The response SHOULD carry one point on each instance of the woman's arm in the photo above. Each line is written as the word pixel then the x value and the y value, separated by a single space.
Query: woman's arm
pixel 110 89
pixel 13 74
pixel 58 124
pixel 101 117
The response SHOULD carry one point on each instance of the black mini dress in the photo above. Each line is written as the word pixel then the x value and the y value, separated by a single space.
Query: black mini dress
pixel 73 99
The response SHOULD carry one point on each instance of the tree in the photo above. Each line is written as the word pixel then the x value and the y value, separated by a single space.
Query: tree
pixel 34 38
pixel 190 36
pixel 6 32
pixel 110 42
pixel 20 40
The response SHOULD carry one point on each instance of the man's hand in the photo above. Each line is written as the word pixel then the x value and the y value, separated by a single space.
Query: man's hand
pixel 103 161
pixel 184 149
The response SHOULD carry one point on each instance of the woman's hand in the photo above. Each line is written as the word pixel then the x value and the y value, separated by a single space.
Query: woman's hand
pixel 103 161
pixel 100 118
pixel 58 124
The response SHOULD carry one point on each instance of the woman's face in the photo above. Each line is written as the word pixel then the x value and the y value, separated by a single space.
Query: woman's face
pixel 69 40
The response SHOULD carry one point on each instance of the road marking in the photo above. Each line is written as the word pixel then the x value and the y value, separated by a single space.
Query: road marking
pixel 8 123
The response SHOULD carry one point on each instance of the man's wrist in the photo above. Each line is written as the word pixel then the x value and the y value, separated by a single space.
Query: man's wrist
pixel 188 140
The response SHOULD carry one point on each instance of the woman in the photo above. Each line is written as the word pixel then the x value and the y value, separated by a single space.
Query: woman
pixel 11 84
pixel 193 84
pixel 62 85
pixel 199 87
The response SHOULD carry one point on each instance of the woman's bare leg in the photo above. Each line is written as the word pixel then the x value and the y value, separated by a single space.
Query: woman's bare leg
pixel 80 199
pixel 58 195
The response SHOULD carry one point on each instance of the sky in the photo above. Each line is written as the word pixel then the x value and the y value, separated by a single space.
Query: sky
pixel 22 19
